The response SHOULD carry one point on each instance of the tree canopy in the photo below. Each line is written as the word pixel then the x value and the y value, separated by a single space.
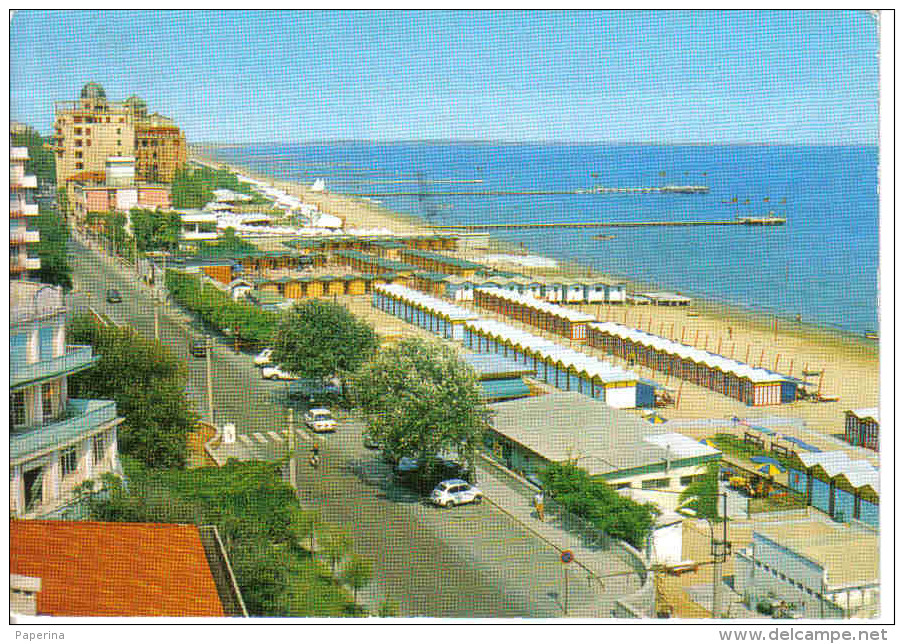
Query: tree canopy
pixel 41 161
pixel 52 251
pixel 321 339
pixel 155 230
pixel 598 503
pixel 146 381
pixel 702 495
pixel 421 400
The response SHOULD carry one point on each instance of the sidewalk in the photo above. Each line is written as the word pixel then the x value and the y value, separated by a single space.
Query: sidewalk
pixel 609 568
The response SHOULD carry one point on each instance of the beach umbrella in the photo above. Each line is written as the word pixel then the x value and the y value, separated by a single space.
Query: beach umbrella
pixel 770 470
pixel 708 443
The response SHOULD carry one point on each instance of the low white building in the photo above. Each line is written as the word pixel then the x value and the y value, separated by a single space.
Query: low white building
pixel 198 225
pixel 827 570
pixel 614 446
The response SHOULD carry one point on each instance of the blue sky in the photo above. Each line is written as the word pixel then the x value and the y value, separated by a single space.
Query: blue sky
pixel 701 77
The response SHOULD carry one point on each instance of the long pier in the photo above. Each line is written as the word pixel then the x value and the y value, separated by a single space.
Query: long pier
pixel 595 224
pixel 534 193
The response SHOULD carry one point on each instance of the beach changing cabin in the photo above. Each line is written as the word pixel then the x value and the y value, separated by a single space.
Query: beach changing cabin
pixel 861 427
pixel 751 385
pixel 842 487
pixel 529 310
pixel 559 366
pixel 500 378
pixel 437 316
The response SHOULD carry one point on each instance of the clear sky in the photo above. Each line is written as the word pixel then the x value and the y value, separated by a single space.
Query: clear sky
pixel 651 76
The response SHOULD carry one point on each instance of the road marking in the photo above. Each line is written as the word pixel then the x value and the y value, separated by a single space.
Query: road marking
pixel 275 436
pixel 260 438
pixel 245 439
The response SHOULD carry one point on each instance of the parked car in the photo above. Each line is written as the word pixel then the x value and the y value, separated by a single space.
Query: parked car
pixel 315 391
pixel 454 492
pixel 263 358
pixel 113 296
pixel 320 420
pixel 408 472
pixel 198 348
pixel 273 372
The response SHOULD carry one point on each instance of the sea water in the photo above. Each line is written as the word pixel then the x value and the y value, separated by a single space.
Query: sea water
pixel 822 264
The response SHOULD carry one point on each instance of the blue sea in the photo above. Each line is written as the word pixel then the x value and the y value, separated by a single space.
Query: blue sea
pixel 822 265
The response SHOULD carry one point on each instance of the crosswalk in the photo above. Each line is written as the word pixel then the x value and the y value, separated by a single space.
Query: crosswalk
pixel 262 440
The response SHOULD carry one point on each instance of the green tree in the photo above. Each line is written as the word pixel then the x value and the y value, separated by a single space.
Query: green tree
pixel 146 381
pixel 388 608
pixel 155 230
pixel 55 267
pixel 321 339
pixel 41 161
pixel 598 503
pixel 358 573
pixel 702 496
pixel 420 400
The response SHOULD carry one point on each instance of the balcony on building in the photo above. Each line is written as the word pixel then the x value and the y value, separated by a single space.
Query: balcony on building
pixel 77 358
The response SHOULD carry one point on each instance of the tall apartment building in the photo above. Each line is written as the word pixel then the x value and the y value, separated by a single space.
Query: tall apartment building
pixel 55 442
pixel 23 237
pixel 92 129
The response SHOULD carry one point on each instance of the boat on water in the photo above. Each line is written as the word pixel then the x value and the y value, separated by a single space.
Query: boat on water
pixel 604 237
pixel 869 334
pixel 684 189
pixel 765 220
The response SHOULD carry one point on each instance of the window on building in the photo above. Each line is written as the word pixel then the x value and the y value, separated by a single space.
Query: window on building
pixel 77 119
pixel 78 131
pixel 50 393
pixel 79 166
pixel 88 131
pixel 78 154
pixel 69 460
pixel 144 143
pixel 655 484
pixel 119 130
pixel 687 480
pixel 100 444
pixel 78 143
pixel 88 142
pixel 108 119
pixel 17 409
pixel 118 142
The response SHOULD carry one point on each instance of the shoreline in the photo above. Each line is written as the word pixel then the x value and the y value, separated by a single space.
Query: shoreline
pixel 412 224
pixel 849 363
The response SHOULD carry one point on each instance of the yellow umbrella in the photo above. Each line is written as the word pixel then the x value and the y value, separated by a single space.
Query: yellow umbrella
pixel 769 470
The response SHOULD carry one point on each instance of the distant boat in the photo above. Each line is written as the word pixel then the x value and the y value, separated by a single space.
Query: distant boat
pixel 604 237
pixel 869 334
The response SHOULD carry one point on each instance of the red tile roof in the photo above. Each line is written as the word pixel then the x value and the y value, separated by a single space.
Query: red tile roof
pixel 115 569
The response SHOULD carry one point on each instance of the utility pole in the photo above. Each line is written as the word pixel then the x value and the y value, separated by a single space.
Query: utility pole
pixel 157 319
pixel 291 447
pixel 207 349
pixel 720 552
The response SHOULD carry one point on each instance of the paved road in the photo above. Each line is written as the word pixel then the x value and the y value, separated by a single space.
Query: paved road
pixel 472 561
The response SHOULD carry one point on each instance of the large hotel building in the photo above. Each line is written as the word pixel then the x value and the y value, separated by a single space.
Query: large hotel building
pixel 93 134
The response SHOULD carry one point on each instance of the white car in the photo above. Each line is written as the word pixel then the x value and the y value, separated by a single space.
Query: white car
pixel 263 358
pixel 455 492
pixel 275 373
pixel 320 420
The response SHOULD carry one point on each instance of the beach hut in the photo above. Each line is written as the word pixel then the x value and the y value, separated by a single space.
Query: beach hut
pixel 554 291
pixel 832 482
pixel 861 427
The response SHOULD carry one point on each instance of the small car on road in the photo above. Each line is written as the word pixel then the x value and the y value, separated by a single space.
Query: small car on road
pixel 198 347
pixel 320 420
pixel 113 296
pixel 454 492
pixel 273 372
pixel 263 358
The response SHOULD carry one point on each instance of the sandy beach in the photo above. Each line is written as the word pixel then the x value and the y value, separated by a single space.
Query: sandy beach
pixel 850 364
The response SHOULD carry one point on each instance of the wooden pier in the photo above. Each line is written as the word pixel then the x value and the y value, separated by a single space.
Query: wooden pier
pixel 598 190
pixel 596 224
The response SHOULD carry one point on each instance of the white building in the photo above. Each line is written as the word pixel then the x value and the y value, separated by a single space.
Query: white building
pixel 55 442
pixel 825 569
pixel 22 236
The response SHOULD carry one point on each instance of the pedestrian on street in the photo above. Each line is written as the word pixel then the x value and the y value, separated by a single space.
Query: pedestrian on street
pixel 538 504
